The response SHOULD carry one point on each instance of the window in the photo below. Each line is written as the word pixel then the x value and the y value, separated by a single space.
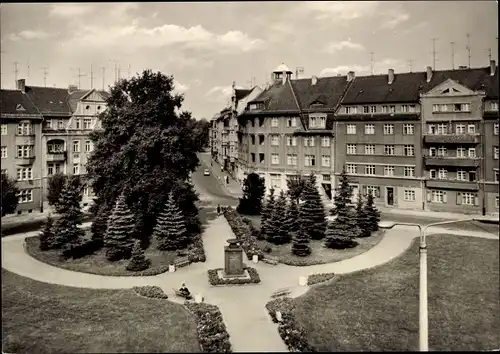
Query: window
pixel 495 152
pixel 409 171
pixel 77 123
pixel 309 141
pixel 442 173
pixel 494 106
pixel 252 155
pixel 261 123
pixel 472 153
pixel 412 108
pixel 88 146
pixel 461 175
pixel 25 196
pixel 275 181
pixel 432 151
pixel 291 141
pixel 443 108
pixel 460 129
pixel 384 109
pixel 468 198
pixel 325 141
pixel 76 146
pixel 87 123
pixel 291 122
pixel 442 151
pixel 24 174
pixel 24 129
pixel 274 122
pixel 409 150
pixel 471 129
pixel 408 129
pixel 4 152
pixel 24 151
pixel 327 178
pixel 261 157
pixel 432 174
pixel 388 129
pixel 392 109
pixel 4 129
pixel 389 149
pixel 86 191
pixel 370 149
pixel 388 170
pixel 472 176
pixel 369 129
pixel 55 147
pixel 438 197
pixel 370 170
pixel 495 129
pixel 76 169
pixel 275 159
pixel 351 169
pixel 60 124
pixel 409 195
pixel 496 202
pixel 366 109
pixel 435 108
pixel 317 122
pixel 460 152
pixel 291 159
pixel 275 140
pixel 442 129
pixel 351 110
pixel 53 168
pixel 351 149
pixel 373 190
pixel 496 175
pixel 404 108
pixel 373 109
pixel 351 129
pixel 461 107
pixel 309 160
pixel 432 129
pixel 87 107
pixel 325 161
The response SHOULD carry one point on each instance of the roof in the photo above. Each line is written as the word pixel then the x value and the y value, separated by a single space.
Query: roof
pixel 15 102
pixel 75 96
pixel 278 97
pixel 241 93
pixel 327 91
pixel 282 68
pixel 50 100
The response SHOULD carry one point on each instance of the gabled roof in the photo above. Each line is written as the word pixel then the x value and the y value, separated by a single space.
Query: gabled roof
pixel 50 100
pixel 78 95
pixel 241 93
pixel 328 90
pixel 13 102
pixel 279 98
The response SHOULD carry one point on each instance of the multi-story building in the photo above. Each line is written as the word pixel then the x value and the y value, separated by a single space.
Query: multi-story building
pixel 69 115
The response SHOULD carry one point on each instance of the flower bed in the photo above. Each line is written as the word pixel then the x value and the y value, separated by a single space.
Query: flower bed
pixel 151 291
pixel 212 333
pixel 196 251
pixel 290 331
pixel 243 233
pixel 213 278
pixel 319 278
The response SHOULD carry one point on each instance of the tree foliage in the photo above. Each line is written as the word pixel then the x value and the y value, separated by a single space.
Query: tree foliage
pixel 9 195
pixel 266 213
pixel 147 145
pixel 47 235
pixel 312 216
pixel 296 187
pixel 300 243
pixel 343 194
pixel 278 234
pixel 292 217
pixel 56 184
pixel 362 219
pixel 138 260
pixel 170 230
pixel 118 239
pixel 372 213
pixel 100 224
pixel 201 130
pixel 254 189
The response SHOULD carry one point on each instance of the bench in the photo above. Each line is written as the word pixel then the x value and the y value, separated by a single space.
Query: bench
pixel 181 262
pixel 270 260
pixel 281 292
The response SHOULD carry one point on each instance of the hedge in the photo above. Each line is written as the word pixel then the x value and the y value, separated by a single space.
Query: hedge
pixel 151 291
pixel 243 233
pixel 33 225
pixel 213 278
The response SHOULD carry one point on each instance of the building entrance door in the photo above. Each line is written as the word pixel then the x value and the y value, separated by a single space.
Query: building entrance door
pixel 390 195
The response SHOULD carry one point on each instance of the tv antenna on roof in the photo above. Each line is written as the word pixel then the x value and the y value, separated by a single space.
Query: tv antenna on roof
pixel 468 47
pixel 371 61
pixel 299 70
pixel 434 53
pixel 452 55
pixel 45 73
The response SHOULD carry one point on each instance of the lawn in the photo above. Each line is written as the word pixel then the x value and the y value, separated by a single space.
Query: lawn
pixel 44 318
pixel 377 309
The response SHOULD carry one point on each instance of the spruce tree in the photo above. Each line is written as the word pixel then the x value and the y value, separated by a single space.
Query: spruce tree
pixel 362 218
pixel 138 260
pixel 372 213
pixel 311 212
pixel 118 239
pixel 300 243
pixel 170 229
pixel 340 234
pixel 343 193
pixel 266 213
pixel 99 225
pixel 47 235
pixel 292 214
pixel 277 221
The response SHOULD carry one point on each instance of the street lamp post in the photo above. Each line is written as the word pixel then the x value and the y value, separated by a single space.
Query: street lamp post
pixel 423 293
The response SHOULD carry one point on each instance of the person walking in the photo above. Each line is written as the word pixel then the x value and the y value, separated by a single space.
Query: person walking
pixel 218 209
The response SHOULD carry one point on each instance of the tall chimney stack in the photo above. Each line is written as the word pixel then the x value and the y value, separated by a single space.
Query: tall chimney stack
pixel 493 67
pixel 314 80
pixel 390 75
pixel 21 85
pixel 350 76
pixel 429 74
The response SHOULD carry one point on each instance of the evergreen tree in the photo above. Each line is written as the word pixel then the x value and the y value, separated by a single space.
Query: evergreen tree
pixel 266 213
pixel 56 185
pixel 362 218
pixel 118 239
pixel 372 213
pixel 311 212
pixel 292 214
pixel 9 193
pixel 340 233
pixel 295 187
pixel 278 232
pixel 300 243
pixel 343 194
pixel 47 235
pixel 170 229
pixel 100 225
pixel 68 234
pixel 254 189
pixel 138 260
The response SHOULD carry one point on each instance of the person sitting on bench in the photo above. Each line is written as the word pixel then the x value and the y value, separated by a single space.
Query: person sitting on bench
pixel 184 291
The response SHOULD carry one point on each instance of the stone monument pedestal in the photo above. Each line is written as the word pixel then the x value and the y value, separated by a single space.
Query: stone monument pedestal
pixel 233 260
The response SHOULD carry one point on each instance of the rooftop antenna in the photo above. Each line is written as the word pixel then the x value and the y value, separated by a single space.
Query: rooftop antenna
pixel 371 61
pixel 28 66
pixel 79 77
pixel 103 76
pixel 489 54
pixel 119 72
pixel 452 55
pixel 434 53
pixel 16 71
pixel 468 47
pixel 116 70
pixel 128 72
pixel 91 77
pixel 45 73
pixel 410 62
pixel 299 70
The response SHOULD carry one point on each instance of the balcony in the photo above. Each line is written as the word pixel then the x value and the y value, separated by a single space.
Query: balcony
pixel 25 160
pixel 452 184
pixel 25 139
pixel 452 161
pixel 452 138
pixel 56 156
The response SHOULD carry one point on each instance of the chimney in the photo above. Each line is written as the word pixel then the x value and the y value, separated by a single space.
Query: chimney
pixel 21 85
pixel 493 67
pixel 284 77
pixel 72 88
pixel 429 74
pixel 314 80
pixel 390 75
pixel 350 76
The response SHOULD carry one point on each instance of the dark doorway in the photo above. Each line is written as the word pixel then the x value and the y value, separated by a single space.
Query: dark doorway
pixel 390 195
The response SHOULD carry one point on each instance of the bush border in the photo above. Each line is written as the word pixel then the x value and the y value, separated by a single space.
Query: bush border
pixel 150 292
pixel 319 278
pixel 213 278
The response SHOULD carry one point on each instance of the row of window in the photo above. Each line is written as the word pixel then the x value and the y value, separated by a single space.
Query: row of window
pixel 461 175
pixel 26 195
pixel 57 147
pixel 408 129
pixel 292 140
pixel 26 151
pixel 61 124
pixel 444 129
pixel 352 169
pixel 449 107
pixel 408 150
pixel 291 122
pixel 405 108
pixel 461 152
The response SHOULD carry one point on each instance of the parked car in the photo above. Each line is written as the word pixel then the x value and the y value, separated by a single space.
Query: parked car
pixel 206 172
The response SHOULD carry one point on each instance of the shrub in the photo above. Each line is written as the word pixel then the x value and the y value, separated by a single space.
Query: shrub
pixel 138 261
pixel 196 251
pixel 84 249
pixel 32 225
pixel 243 234
pixel 213 277
pixel 319 278
pixel 212 332
pixel 151 291
pixel 47 236
pixel 268 249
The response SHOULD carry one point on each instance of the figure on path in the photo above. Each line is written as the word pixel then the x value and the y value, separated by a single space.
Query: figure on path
pixel 184 291
pixel 218 209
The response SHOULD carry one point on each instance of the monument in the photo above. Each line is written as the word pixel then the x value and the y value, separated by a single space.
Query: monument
pixel 233 259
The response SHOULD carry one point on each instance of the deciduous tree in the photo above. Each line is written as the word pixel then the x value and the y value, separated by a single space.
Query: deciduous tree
pixel 9 195
pixel 253 191
pixel 296 187
pixel 56 184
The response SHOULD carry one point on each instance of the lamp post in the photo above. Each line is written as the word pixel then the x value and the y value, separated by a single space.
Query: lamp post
pixel 423 308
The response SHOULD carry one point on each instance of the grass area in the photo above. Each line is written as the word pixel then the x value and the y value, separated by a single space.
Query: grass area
pixel 45 318
pixel 377 309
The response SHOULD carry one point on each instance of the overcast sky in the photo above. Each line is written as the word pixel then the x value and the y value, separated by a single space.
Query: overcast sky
pixel 208 45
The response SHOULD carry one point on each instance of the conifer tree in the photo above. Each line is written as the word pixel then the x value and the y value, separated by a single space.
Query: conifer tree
pixel 362 219
pixel 118 239
pixel 311 212
pixel 170 229
pixel 47 235
pixel 372 213
pixel 254 189
pixel 292 214
pixel 138 260
pixel 100 225
pixel 266 213
pixel 343 194
pixel 277 221
pixel 339 234
pixel 300 243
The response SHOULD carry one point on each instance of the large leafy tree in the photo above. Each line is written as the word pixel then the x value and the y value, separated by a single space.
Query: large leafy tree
pixel 119 237
pixel 253 191
pixel 278 234
pixel 266 213
pixel 311 211
pixel 56 184
pixel 170 230
pixel 201 129
pixel 147 145
pixel 9 195
pixel 295 187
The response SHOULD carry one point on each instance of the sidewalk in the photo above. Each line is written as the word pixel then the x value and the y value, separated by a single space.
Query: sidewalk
pixel 233 188
pixel 436 215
